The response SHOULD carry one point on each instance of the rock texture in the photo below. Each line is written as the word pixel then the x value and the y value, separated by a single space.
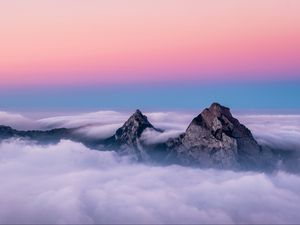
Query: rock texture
pixel 216 139
pixel 127 137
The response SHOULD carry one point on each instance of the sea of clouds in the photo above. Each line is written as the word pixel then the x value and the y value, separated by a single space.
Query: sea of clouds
pixel 69 183
pixel 279 131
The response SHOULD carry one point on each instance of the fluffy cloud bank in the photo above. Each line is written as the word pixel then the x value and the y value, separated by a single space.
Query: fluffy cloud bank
pixel 17 121
pixel 84 119
pixel 69 183
pixel 279 131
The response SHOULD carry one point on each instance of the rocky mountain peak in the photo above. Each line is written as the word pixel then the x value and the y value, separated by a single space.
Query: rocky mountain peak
pixel 137 113
pixel 217 110
pixel 139 118
pixel 127 137
pixel 218 119
pixel 132 129
pixel 216 137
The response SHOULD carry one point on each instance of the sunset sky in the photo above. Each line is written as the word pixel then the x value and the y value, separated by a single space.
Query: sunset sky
pixel 86 48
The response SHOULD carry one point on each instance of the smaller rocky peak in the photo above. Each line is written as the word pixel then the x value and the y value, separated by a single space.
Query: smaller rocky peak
pixel 127 137
pixel 133 129
pixel 138 119
pixel 138 113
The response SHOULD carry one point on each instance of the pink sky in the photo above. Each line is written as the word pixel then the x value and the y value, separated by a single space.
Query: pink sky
pixel 77 42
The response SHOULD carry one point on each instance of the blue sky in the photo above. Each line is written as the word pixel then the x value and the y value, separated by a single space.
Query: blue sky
pixel 275 95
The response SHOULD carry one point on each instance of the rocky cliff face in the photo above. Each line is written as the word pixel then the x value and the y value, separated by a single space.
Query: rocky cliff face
pixel 216 138
pixel 127 137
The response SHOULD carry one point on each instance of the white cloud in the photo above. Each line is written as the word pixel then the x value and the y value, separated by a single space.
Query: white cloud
pixel 150 136
pixel 170 120
pixel 172 123
pixel 69 183
pixel 17 121
pixel 100 131
pixel 85 119
pixel 279 131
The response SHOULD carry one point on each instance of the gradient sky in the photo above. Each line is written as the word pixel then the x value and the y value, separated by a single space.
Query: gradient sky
pixel 118 45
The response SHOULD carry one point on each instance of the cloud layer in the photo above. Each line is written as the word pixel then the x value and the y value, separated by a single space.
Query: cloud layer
pixel 68 183
pixel 279 131
pixel 17 121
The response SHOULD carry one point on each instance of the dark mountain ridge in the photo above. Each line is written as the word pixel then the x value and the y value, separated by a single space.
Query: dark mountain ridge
pixel 49 136
pixel 214 138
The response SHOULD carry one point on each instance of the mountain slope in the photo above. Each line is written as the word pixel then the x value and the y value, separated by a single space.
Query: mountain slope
pixel 216 138
pixel 127 138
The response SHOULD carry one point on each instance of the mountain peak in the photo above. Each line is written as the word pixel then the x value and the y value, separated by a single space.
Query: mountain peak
pixel 138 119
pixel 132 129
pixel 218 118
pixel 216 104
pixel 217 110
pixel 138 112
pixel 216 135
